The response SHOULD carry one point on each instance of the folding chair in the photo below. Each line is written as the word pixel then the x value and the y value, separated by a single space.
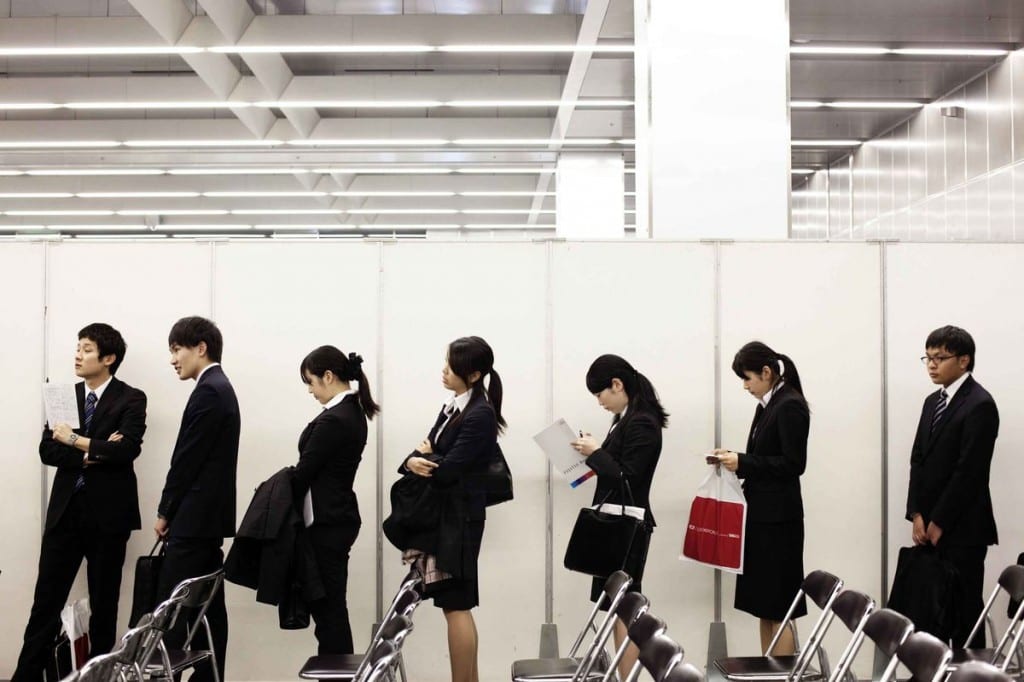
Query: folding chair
pixel 822 588
pixel 645 628
pixel 379 662
pixel 105 668
pixel 567 669
pixel 684 672
pixel 131 652
pixel 888 630
pixel 348 666
pixel 853 609
pixel 926 656
pixel 1011 581
pixel 194 593
pixel 976 671
pixel 632 606
pixel 658 655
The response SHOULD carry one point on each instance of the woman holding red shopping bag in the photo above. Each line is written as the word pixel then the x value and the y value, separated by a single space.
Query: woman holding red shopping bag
pixel 775 457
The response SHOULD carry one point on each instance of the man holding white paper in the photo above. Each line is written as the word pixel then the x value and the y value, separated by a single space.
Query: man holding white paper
pixel 94 502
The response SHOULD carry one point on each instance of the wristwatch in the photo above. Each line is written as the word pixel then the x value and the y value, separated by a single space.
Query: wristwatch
pixel 73 439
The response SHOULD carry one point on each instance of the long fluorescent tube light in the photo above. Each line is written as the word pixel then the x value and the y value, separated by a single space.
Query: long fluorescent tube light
pixel 173 211
pixel 28 106
pixel 352 104
pixel 230 195
pixel 386 170
pixel 213 170
pixel 287 211
pixel 137 195
pixel 370 142
pixel 506 194
pixel 314 104
pixel 512 49
pixel 532 142
pixel 840 50
pixel 49 144
pixel 949 52
pixel 61 213
pixel 409 226
pixel 90 227
pixel 877 50
pixel 95 171
pixel 202 143
pixel 11 173
pixel 393 194
pixel 854 104
pixel 508 170
pixel 825 143
pixel 509 226
pixel 416 49
pixel 403 211
pixel 36 195
pixel 505 211
pixel 162 104
pixel 167 227
pixel 96 51
pixel 803 171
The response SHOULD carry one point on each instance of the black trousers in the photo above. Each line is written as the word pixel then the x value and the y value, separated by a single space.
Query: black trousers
pixel 970 563
pixel 331 546
pixel 60 556
pixel 190 558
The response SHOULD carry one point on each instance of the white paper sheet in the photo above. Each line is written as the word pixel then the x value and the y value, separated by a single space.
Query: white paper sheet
pixel 554 441
pixel 61 404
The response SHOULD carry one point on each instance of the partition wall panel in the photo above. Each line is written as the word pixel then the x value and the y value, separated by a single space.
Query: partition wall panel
pixel 140 290
pixel 820 305
pixel 434 293
pixel 978 287
pixel 273 311
pixel 653 304
pixel 22 273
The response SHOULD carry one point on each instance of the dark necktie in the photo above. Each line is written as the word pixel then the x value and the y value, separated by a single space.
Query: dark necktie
pixel 90 409
pixel 940 408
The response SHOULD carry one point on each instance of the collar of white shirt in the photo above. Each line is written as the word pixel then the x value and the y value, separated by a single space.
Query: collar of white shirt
pixel 98 390
pixel 768 396
pixel 341 396
pixel 458 402
pixel 203 370
pixel 955 386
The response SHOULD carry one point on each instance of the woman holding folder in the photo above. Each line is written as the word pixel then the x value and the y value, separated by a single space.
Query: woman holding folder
pixel 626 460
pixel 776 456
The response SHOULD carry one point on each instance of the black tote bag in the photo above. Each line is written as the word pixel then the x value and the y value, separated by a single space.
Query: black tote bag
pixel 495 480
pixel 602 542
pixel 926 589
pixel 147 580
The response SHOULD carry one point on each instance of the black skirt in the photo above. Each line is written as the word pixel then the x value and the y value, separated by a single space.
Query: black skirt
pixel 635 564
pixel 773 568
pixel 461 594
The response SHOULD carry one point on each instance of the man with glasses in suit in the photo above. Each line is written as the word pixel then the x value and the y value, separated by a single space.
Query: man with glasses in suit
pixel 948 501
pixel 94 502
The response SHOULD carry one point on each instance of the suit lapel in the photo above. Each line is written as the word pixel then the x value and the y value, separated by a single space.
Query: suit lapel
pixel 80 398
pixel 958 399
pixel 104 406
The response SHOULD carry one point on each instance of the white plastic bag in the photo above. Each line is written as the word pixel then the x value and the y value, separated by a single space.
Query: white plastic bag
pixel 717 525
pixel 75 618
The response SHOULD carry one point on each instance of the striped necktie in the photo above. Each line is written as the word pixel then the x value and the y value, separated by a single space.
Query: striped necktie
pixel 940 408
pixel 90 409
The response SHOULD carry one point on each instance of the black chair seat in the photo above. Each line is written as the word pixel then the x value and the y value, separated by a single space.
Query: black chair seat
pixel 179 659
pixel 762 668
pixel 331 667
pixel 967 655
pixel 552 669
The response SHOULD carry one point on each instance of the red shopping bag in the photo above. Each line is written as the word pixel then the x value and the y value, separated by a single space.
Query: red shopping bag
pixel 718 517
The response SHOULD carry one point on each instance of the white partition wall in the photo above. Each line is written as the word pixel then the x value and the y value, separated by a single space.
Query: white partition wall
pixel 273 310
pixel 22 273
pixel 433 294
pixel 653 304
pixel 978 287
pixel 818 304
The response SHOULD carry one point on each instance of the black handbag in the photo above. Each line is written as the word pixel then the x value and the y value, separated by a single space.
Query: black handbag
pixel 926 589
pixel 602 543
pixel 147 581
pixel 495 481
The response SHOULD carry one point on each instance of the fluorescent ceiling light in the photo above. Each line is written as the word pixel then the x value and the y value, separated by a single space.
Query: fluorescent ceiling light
pixel 854 104
pixel 532 142
pixel 212 170
pixel 165 227
pixel 96 171
pixel 163 104
pixel 402 211
pixel 509 226
pixel 805 104
pixel 95 51
pixel 511 49
pixel 99 228
pixel 512 170
pixel 80 144
pixel 505 211
pixel 263 194
pixel 409 226
pixel 826 143
pixel 36 195
pixel 136 195
pixel 173 211
pixel 385 170
pixel 303 226
pixel 506 194
pixel 393 194
pixel 202 143
pixel 321 49
pixel 352 104
pixel 65 213
pixel 580 103
pixel 825 50
pixel 802 171
pixel 949 52
pixel 287 211
pixel 29 106
pixel 11 172
pixel 370 142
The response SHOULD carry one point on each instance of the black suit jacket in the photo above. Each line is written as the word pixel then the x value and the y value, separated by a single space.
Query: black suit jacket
pixel 198 499
pixel 776 457
pixel 466 446
pixel 630 451
pixel 330 449
pixel 949 467
pixel 111 490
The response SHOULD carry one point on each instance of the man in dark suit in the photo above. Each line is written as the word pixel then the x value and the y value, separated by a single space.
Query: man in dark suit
pixel 948 500
pixel 197 507
pixel 94 502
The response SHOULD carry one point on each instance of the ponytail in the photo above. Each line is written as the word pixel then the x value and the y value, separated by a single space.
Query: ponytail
pixel 472 354
pixel 755 356
pixel 348 368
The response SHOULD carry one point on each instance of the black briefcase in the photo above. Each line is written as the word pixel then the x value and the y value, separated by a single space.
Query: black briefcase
pixel 602 542
pixel 926 589
pixel 147 581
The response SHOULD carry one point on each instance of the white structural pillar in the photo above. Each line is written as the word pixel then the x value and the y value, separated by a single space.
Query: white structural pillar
pixel 712 130
pixel 589 196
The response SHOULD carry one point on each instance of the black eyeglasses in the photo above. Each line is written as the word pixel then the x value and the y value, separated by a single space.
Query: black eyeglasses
pixel 937 359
